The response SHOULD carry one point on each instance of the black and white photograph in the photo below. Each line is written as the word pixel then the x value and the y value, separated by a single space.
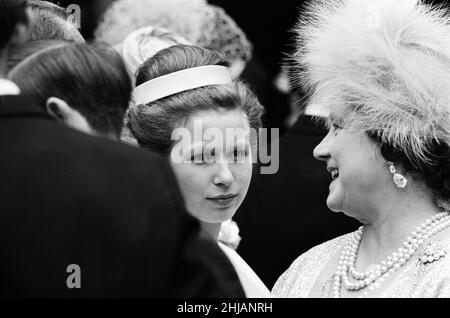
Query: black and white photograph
pixel 224 155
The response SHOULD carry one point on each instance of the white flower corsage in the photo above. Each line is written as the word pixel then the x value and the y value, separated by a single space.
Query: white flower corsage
pixel 229 234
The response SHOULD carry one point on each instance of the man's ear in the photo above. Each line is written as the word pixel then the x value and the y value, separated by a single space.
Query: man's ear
pixel 65 114
pixel 58 108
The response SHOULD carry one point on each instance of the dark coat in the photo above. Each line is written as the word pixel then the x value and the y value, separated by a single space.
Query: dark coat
pixel 113 210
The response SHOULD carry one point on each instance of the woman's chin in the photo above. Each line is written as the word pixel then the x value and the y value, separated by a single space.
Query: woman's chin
pixel 335 197
pixel 333 205
pixel 219 215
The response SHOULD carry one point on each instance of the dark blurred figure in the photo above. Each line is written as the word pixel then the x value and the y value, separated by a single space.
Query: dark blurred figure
pixel 274 101
pixel 14 25
pixel 68 198
pixel 267 24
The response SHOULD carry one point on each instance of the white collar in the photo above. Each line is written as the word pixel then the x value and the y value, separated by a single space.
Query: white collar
pixel 8 88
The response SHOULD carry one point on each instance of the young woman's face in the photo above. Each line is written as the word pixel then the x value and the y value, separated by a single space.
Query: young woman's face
pixel 216 168
pixel 358 171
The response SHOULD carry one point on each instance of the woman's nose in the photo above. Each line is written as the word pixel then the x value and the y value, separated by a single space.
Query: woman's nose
pixel 224 176
pixel 322 152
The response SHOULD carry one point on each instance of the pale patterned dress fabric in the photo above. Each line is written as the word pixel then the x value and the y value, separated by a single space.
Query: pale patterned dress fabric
pixel 415 280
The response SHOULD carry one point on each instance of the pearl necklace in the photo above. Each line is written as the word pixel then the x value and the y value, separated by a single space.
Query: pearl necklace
pixel 373 277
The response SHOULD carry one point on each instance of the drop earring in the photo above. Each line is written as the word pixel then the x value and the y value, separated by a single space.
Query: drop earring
pixel 399 180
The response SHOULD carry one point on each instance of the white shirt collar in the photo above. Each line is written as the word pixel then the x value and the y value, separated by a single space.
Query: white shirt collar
pixel 8 88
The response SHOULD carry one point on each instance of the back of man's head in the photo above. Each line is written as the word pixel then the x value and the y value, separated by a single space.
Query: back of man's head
pixel 12 13
pixel 51 22
pixel 91 79
pixel 19 53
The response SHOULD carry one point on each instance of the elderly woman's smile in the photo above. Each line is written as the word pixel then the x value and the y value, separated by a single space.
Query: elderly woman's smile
pixel 334 173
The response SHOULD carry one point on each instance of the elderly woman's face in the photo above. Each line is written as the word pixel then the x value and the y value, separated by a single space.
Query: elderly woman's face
pixel 213 176
pixel 357 169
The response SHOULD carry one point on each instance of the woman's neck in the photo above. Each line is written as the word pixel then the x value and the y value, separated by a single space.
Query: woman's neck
pixel 395 220
pixel 212 228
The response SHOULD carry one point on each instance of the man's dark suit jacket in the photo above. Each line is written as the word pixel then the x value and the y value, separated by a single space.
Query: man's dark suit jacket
pixel 285 214
pixel 113 210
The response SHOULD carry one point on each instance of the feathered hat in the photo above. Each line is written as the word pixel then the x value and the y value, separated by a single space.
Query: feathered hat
pixel 384 63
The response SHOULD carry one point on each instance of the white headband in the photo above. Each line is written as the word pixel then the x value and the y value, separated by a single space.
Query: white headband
pixel 181 81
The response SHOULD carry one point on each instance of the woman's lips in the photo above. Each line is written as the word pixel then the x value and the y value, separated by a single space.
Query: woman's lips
pixel 223 200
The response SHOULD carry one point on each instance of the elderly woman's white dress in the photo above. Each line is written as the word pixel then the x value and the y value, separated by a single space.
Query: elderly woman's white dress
pixel 421 277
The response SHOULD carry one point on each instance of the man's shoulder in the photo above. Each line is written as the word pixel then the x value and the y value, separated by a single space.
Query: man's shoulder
pixel 91 150
pixel 114 160
pixel 118 151
pixel 91 161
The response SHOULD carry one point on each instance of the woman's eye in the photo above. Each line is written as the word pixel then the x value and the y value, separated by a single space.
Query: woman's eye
pixel 198 159
pixel 239 155
pixel 206 156
pixel 335 128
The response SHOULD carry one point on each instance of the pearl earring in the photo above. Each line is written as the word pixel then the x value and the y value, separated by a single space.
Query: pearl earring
pixel 399 179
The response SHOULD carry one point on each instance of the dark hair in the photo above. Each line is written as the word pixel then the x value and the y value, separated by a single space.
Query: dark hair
pixel 50 21
pixel 12 13
pixel 20 52
pixel 91 78
pixel 152 124
pixel 435 172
